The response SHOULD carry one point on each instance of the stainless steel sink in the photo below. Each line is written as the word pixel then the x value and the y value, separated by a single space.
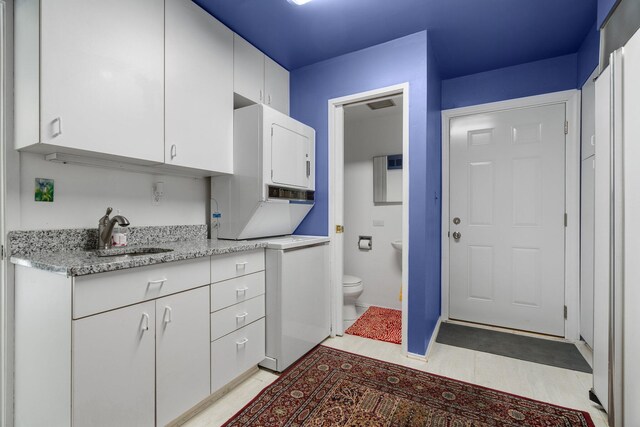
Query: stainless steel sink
pixel 130 251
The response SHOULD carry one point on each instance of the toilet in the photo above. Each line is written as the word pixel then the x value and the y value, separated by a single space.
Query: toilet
pixel 352 288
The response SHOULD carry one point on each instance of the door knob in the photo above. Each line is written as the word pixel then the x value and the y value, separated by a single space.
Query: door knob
pixel 457 235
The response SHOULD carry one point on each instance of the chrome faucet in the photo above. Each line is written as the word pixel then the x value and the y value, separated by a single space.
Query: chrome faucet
pixel 105 228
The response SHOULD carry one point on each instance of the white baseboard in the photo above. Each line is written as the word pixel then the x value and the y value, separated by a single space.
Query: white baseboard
pixel 415 356
pixel 365 306
pixel 433 338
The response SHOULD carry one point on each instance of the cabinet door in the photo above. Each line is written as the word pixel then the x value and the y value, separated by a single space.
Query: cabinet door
pixel 182 352
pixel 290 161
pixel 248 70
pixel 102 78
pixel 113 368
pixel 199 89
pixel 276 86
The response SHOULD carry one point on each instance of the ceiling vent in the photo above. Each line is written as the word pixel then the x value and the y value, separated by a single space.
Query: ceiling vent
pixel 384 103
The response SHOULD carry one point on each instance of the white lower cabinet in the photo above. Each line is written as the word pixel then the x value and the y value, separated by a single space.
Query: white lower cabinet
pixel 122 357
pixel 237 315
pixel 182 353
pixel 236 352
pixel 134 347
pixel 113 368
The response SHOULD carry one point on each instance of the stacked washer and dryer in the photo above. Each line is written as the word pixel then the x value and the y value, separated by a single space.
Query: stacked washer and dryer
pixel 271 191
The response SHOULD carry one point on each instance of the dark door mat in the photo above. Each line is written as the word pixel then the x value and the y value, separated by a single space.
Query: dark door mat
pixel 537 350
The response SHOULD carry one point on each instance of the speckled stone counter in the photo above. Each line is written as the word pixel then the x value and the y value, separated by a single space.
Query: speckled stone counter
pixel 81 263
pixel 72 239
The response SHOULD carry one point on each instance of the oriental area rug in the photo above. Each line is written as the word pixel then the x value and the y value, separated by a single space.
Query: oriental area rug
pixel 329 387
pixel 377 323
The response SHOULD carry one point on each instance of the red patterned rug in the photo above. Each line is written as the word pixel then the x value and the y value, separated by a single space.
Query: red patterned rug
pixel 377 323
pixel 329 387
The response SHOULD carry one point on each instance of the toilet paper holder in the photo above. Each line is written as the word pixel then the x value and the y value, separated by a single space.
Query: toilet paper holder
pixel 365 243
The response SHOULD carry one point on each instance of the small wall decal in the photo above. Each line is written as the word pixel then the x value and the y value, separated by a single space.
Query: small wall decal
pixel 44 190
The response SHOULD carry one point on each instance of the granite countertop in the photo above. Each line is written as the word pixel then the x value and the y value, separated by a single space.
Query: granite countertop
pixel 81 263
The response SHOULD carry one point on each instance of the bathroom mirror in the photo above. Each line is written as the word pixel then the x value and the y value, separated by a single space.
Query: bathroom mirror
pixel 387 179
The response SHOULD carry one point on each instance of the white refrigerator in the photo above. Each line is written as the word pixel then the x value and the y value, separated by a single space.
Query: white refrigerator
pixel 616 371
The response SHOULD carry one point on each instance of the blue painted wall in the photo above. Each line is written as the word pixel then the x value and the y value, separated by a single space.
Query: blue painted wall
pixel 604 8
pixel 398 61
pixel 533 78
pixel 424 312
pixel 588 55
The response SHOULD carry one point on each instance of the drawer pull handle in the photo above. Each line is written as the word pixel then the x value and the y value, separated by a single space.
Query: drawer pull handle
pixel 158 282
pixel 145 322
pixel 167 315
pixel 240 265
pixel 241 316
pixel 243 290
pixel 242 341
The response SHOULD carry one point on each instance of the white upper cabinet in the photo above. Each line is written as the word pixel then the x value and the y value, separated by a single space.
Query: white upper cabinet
pixel 276 86
pixel 588 121
pixel 257 78
pixel 199 89
pixel 248 70
pixel 90 77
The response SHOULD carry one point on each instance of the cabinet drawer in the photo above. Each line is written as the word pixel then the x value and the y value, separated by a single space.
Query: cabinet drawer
pixel 106 291
pixel 230 292
pixel 236 264
pixel 235 353
pixel 235 317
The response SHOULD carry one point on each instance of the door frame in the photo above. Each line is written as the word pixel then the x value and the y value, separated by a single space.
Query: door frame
pixel 336 198
pixel 571 99
pixel 6 320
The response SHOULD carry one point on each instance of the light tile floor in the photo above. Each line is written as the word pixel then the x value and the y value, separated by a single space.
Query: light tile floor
pixel 546 383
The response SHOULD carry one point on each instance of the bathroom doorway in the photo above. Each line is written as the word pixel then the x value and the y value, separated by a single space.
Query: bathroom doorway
pixel 368 207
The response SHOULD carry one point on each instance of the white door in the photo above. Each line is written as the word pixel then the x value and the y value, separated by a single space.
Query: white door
pixel 587 207
pixel 182 353
pixel 290 162
pixel 199 89
pixel 114 368
pixel 102 67
pixel 507 175
pixel 630 340
pixel 602 235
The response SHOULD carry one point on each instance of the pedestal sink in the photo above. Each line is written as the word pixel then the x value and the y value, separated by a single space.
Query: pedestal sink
pixel 397 244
